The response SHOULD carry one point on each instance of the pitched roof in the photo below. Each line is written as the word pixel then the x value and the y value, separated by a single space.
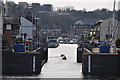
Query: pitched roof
pixel 11 20
pixel 90 20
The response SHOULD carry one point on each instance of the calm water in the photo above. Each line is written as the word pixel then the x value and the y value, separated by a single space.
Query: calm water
pixel 58 68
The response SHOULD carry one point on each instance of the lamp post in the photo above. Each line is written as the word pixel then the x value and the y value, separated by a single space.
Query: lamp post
pixel 36 21
pixel 37 30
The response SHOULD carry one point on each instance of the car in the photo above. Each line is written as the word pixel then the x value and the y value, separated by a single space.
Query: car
pixel 62 41
pixel 71 42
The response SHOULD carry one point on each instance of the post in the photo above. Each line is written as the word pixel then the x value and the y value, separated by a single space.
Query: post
pixel 33 63
pixel 1 33
pixel 32 33
pixel 89 63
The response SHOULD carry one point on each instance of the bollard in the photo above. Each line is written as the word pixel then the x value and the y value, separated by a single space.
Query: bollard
pixel 79 54
pixel 45 52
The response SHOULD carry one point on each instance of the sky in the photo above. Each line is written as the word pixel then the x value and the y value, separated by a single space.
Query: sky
pixel 89 5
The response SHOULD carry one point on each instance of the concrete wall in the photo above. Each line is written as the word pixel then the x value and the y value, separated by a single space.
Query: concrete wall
pixel 23 63
pixel 101 64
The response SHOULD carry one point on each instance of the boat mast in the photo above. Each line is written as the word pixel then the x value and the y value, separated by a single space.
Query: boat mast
pixel 113 26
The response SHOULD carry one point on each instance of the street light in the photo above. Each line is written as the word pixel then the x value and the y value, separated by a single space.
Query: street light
pixel 37 29
pixel 36 19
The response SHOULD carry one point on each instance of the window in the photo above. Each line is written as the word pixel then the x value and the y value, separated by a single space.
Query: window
pixel 8 27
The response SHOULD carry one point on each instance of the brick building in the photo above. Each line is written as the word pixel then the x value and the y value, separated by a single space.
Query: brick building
pixel 10 29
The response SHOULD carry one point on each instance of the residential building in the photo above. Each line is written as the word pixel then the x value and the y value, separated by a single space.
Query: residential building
pixel 107 30
pixel 51 32
pixel 47 7
pixel 90 21
pixel 23 4
pixel 26 27
pixel 32 30
pixel 10 8
pixel 95 30
pixel 82 29
pixel 11 29
pixel 35 7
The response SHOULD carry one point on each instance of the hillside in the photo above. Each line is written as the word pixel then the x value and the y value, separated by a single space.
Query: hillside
pixel 64 20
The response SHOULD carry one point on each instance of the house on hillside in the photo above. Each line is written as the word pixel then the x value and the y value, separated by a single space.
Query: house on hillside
pixel 95 30
pixel 82 29
pixel 90 21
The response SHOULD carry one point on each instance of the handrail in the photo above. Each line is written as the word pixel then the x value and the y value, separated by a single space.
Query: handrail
pixel 87 51
pixel 37 49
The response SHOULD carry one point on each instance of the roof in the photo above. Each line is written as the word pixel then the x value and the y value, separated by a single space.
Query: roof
pixel 78 22
pixel 90 20
pixel 25 22
pixel 11 20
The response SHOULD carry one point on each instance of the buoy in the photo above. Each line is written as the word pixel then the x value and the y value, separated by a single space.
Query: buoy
pixel 64 58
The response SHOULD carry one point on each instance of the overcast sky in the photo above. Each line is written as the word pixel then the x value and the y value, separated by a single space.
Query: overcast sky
pixel 77 4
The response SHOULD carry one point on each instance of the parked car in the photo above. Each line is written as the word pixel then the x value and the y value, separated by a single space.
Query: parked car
pixel 72 42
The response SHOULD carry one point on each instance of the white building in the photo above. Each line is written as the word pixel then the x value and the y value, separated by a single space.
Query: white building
pixel 26 27
pixel 107 31
pixel 32 31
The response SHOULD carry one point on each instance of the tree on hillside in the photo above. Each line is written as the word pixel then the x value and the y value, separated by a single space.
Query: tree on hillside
pixel 60 21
